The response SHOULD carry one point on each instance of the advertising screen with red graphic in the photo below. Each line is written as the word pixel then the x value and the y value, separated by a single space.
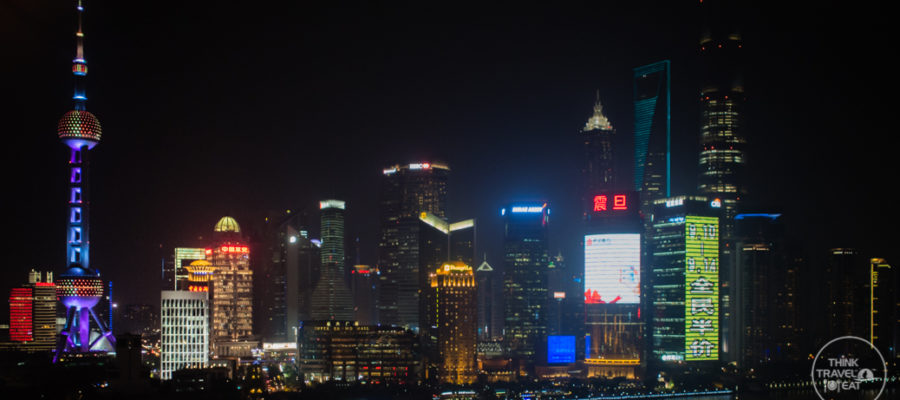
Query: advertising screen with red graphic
pixel 612 268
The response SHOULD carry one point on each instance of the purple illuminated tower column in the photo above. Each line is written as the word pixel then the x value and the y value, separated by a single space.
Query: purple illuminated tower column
pixel 79 288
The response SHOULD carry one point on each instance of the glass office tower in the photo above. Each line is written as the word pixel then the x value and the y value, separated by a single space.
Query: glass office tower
pixel 684 280
pixel 407 190
pixel 525 293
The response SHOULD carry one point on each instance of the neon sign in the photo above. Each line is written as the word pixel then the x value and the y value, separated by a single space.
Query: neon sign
pixel 613 202
pixel 235 249
pixel 701 283
pixel 529 209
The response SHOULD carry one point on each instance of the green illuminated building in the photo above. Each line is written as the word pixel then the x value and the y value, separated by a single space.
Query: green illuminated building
pixel 684 280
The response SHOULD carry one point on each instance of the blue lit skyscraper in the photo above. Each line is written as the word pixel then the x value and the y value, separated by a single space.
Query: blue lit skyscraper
pixel 652 132
pixel 525 296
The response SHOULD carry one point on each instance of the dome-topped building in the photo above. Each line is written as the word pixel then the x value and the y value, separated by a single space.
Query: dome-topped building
pixel 227 224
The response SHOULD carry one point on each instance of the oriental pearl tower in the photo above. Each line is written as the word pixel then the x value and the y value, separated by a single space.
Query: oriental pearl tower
pixel 79 287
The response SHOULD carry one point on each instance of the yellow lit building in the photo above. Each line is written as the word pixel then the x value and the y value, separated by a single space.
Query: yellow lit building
pixel 454 317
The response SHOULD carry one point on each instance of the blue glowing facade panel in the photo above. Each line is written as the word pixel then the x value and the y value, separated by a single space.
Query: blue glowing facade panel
pixel 560 349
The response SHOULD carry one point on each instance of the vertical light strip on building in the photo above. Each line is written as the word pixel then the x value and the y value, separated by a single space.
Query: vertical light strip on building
pixel 701 283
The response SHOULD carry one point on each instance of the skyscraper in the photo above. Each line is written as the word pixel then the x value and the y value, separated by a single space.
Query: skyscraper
pixel 485 276
pixel 454 317
pixel 32 313
pixel 762 292
pixel 185 331
pixel 362 282
pixel 598 170
pixel 439 243
pixel 231 291
pixel 722 139
pixel 613 282
pixel 284 290
pixel 79 287
pixel 652 132
pixel 406 191
pixel 684 275
pixel 848 276
pixel 331 300
pixel 525 281
pixel 884 312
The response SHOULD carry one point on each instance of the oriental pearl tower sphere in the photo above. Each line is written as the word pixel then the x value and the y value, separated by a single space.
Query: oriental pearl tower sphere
pixel 79 287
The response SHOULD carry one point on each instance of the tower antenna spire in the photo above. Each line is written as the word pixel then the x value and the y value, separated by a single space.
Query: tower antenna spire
pixel 79 287
pixel 79 64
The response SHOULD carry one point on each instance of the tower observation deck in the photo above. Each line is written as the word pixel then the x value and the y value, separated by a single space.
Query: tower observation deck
pixel 79 287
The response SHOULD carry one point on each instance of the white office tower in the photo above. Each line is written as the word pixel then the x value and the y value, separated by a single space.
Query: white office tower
pixel 185 331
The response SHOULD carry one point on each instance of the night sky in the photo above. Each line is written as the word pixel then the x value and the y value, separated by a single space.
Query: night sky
pixel 210 108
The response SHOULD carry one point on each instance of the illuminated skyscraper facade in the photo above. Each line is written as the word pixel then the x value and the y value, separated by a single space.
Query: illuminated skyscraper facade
pixel 331 299
pixel 598 170
pixel 684 281
pixel 185 331
pixel 613 285
pixel 722 138
pixel 453 292
pixel 231 288
pixel 32 313
pixel 406 191
pixel 79 287
pixel 652 132
pixel 440 242
pixel 525 295
pixel 884 312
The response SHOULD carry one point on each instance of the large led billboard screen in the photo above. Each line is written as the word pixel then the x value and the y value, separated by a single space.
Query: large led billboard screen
pixel 701 283
pixel 560 349
pixel 612 268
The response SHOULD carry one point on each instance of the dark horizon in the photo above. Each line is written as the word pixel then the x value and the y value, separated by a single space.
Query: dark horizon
pixel 214 111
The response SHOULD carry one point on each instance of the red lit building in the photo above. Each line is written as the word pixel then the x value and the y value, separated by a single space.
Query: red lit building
pixel 32 313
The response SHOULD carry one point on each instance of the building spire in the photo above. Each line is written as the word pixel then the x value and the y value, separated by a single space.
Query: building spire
pixel 79 64
pixel 598 121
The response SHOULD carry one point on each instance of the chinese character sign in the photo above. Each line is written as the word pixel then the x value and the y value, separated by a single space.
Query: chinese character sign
pixel 615 203
pixel 701 285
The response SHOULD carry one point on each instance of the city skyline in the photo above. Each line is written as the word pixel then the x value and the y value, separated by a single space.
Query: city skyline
pixel 506 94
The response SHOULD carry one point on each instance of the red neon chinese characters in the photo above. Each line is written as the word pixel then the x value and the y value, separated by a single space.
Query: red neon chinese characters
pixel 619 202
pixel 600 203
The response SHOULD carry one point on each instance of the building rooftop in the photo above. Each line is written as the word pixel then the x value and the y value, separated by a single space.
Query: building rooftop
pixel 227 224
